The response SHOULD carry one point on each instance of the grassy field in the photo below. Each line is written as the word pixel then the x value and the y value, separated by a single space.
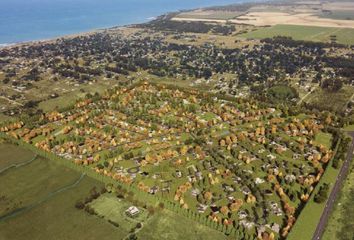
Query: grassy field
pixel 4 118
pixel 308 33
pixel 339 14
pixel 324 138
pixel 334 101
pixel 111 208
pixel 169 226
pixel 43 195
pixel 12 154
pixel 69 98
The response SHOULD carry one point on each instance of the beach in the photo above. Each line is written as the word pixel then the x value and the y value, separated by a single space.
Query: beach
pixel 45 19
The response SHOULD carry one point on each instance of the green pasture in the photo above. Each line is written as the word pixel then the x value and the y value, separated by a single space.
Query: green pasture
pixel 307 33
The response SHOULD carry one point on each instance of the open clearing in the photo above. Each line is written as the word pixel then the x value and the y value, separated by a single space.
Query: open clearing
pixel 44 194
pixel 68 98
pixel 169 226
pixel 321 34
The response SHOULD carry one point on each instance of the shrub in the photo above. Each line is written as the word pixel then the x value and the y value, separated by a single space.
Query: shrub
pixel 79 205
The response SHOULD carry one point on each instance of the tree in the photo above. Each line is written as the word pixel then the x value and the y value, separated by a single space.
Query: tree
pixel 79 205
pixel 322 194
pixel 132 237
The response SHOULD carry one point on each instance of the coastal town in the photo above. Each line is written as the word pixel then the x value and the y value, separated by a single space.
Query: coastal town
pixel 237 163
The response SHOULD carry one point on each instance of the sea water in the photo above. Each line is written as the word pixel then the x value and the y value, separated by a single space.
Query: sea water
pixel 27 20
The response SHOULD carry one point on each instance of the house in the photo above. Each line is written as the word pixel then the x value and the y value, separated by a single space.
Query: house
pixel 275 227
pixel 202 208
pixel 242 214
pixel 259 181
pixel 132 211
pixel 154 190
pixel 195 192
pixel 178 173
pixel 199 175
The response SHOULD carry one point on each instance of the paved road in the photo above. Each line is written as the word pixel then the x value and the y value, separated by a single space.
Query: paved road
pixel 332 197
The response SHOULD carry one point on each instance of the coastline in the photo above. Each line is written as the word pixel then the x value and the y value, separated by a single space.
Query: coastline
pixel 116 27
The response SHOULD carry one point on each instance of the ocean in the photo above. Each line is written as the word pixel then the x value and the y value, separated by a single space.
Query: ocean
pixel 28 20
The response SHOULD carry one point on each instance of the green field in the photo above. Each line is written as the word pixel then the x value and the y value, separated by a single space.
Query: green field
pixel 339 14
pixel 333 101
pixel 111 208
pixel 69 98
pixel 12 154
pixel 169 226
pixel 308 33
pixel 37 202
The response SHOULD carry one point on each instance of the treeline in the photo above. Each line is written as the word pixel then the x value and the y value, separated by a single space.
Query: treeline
pixel 290 42
pixel 232 7
pixel 341 152
pixel 194 27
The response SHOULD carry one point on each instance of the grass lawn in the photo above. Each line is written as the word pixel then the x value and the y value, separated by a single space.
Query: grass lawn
pixel 306 223
pixel 12 154
pixel 111 208
pixel 308 33
pixel 168 225
pixel 324 138
pixel 42 189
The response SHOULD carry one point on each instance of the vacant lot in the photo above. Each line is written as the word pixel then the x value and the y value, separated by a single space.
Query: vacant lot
pixel 307 33
pixel 37 202
pixel 167 225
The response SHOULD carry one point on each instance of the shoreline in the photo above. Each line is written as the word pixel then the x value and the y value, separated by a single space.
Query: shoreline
pixel 115 27
pixel 65 36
